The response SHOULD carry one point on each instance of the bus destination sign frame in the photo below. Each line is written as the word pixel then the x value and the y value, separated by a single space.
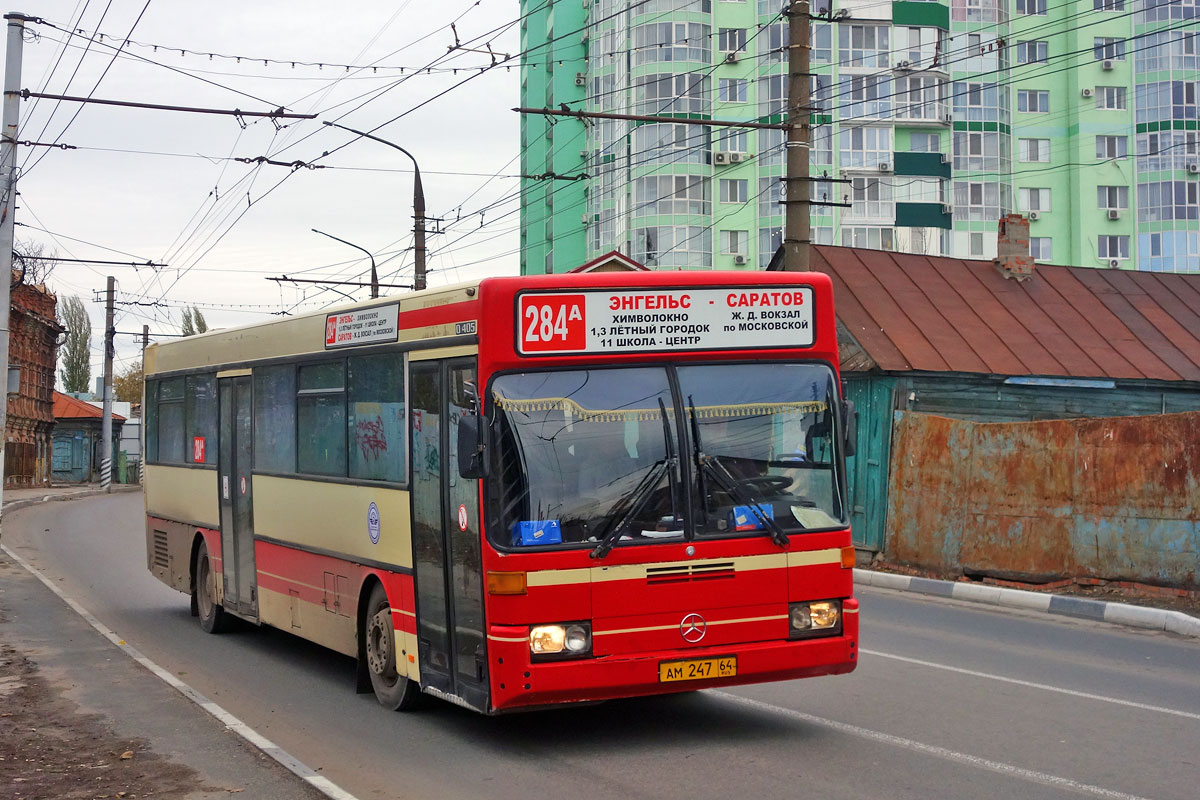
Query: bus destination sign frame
pixel 363 326
pixel 593 321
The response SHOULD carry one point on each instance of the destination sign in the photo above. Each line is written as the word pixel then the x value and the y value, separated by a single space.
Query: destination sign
pixel 362 326
pixel 665 319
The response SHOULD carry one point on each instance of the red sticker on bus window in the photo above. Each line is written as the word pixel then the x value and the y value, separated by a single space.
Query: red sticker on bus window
pixel 462 517
pixel 553 323
pixel 198 450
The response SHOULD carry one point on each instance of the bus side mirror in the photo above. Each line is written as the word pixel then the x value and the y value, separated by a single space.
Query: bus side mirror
pixel 473 447
pixel 849 426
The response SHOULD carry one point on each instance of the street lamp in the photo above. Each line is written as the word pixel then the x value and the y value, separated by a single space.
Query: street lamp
pixel 374 275
pixel 418 207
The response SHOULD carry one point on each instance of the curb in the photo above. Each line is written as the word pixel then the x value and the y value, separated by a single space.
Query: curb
pixel 1156 619
pixel 15 505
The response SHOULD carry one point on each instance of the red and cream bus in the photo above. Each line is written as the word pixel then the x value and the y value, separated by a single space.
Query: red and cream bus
pixel 522 491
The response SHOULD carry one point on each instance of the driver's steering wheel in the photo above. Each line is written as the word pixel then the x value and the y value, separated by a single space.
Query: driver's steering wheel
pixel 768 484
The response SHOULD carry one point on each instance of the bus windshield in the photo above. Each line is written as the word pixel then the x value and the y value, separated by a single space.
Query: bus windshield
pixel 585 456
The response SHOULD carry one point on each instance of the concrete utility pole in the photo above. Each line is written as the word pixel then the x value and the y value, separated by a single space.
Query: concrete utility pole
pixel 796 230
pixel 106 448
pixel 8 202
pixel 418 208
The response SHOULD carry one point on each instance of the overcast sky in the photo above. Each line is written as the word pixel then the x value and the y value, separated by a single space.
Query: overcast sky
pixel 188 208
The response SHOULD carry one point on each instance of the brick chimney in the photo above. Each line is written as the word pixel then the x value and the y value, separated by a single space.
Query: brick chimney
pixel 1012 248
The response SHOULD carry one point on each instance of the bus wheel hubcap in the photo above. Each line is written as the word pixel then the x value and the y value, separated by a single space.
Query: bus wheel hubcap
pixel 379 643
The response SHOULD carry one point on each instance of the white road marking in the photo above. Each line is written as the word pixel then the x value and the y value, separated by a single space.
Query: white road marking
pixel 288 761
pixel 1032 685
pixel 967 759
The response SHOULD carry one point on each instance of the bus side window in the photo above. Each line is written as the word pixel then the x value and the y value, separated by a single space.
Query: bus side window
pixel 275 419
pixel 375 418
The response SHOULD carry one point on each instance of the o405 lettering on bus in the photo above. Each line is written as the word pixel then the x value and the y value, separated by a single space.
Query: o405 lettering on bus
pixel 553 323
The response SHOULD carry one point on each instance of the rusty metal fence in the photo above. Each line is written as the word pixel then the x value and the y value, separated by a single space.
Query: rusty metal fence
pixel 1115 497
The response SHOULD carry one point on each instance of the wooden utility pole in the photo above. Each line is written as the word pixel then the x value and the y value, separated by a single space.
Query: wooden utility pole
pixel 797 222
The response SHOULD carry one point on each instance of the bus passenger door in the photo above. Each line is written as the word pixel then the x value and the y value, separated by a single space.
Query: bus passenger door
pixel 237 497
pixel 447 555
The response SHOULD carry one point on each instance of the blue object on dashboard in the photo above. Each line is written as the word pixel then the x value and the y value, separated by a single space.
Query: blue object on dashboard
pixel 536 532
pixel 743 518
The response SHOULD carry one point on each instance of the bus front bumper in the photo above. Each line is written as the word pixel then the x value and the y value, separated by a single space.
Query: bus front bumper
pixel 518 682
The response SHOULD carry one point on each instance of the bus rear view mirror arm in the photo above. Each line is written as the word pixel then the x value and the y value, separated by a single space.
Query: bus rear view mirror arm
pixel 473 447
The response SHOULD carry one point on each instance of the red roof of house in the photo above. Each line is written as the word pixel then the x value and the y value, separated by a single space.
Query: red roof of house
pixel 929 313
pixel 614 258
pixel 67 407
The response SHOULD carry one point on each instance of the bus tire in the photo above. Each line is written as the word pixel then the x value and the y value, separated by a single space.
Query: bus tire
pixel 212 616
pixel 393 690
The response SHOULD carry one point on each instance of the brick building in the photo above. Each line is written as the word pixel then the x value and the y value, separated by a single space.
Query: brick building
pixel 30 421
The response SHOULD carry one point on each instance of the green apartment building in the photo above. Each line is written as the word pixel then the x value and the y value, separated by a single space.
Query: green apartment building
pixel 943 117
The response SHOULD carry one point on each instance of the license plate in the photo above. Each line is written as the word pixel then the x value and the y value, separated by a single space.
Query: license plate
pixel 697 669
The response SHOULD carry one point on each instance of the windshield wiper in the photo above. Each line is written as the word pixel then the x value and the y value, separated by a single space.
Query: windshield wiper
pixel 637 500
pixel 672 462
pixel 713 468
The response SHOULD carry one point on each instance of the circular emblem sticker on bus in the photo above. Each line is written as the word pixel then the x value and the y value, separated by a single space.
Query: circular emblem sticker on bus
pixel 373 523
pixel 462 517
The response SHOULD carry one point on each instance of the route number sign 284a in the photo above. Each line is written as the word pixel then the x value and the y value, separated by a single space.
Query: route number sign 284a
pixel 603 321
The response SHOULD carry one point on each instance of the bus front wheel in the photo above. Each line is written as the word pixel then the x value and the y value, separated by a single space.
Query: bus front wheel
pixel 392 690
pixel 204 594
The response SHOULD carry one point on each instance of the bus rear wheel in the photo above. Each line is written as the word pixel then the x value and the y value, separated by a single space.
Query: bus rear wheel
pixel 204 594
pixel 393 690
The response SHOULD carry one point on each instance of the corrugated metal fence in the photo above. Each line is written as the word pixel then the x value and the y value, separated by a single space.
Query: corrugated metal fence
pixel 1115 497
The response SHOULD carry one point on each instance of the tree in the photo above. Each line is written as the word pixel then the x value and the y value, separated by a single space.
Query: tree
pixel 29 262
pixel 127 386
pixel 193 322
pixel 76 373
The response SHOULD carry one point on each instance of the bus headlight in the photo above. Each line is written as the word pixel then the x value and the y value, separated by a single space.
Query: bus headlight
pixel 566 640
pixel 815 618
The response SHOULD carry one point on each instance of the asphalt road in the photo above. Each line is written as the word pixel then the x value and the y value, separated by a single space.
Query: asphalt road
pixel 949 701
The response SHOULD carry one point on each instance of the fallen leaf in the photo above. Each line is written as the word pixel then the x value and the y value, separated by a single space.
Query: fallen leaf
pixel 128 754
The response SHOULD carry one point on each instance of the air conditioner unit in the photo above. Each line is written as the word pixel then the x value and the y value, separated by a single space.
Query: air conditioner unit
pixel 904 65
pixel 1114 263
pixel 948 118
pixel 885 166
pixel 1107 65
pixel 739 260
pixel 1114 213
pixel 584 219
pixel 721 158
pixel 1193 169
pixel 581 79
pixel 945 158
pixel 731 57
pixel 947 208
pixel 737 158
pixel 1088 92
pixel 1034 216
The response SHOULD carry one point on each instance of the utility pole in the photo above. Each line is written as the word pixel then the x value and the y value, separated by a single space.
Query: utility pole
pixel 8 203
pixel 145 344
pixel 797 220
pixel 418 207
pixel 106 447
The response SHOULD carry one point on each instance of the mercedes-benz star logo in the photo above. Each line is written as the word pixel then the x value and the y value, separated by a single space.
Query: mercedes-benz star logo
pixel 693 628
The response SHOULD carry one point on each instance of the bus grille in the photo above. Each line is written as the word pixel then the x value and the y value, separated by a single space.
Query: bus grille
pixel 160 550
pixel 687 573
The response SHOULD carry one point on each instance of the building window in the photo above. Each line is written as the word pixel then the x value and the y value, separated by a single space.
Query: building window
pixel 1162 201
pixel 920 97
pixel 666 93
pixel 1112 197
pixel 734 243
pixel 734 191
pixel 1033 52
pixel 1167 150
pixel 821 149
pixel 1165 100
pixel 771 195
pixel 660 143
pixel 1033 150
pixel 1108 5
pixel 977 151
pixel 731 140
pixel 864 148
pixel 1033 199
pixel 864 45
pixel 731 40
pixel 1041 248
pixel 822 41
pixel 1033 101
pixel 769 240
pixel 1112 146
pixel 671 41
pixel 924 143
pixel 1108 48
pixel 871 199
pixel 976 244
pixel 980 201
pixel 673 246
pixel 869 96
pixel 671 194
pixel 870 238
pixel 1111 98
pixel 1113 246
pixel 731 90
pixel 1032 7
